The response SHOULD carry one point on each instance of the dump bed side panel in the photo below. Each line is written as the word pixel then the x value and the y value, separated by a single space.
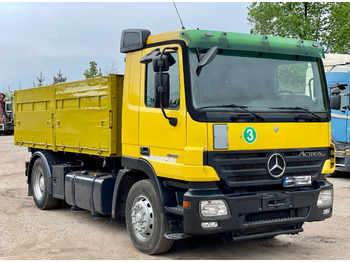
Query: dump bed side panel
pixel 81 116
pixel 34 112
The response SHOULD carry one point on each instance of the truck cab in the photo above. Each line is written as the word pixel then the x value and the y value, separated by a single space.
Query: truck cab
pixel 338 81
pixel 6 115
pixel 251 142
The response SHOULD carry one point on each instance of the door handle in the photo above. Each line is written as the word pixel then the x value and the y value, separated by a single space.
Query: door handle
pixel 144 151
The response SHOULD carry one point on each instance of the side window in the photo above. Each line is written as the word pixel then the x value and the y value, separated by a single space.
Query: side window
pixel 174 84
pixel 343 98
pixel 9 107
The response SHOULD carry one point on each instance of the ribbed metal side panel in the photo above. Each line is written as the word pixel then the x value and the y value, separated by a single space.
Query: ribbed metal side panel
pixel 80 116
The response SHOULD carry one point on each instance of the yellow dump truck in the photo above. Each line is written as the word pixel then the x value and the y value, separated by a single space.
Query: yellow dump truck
pixel 207 132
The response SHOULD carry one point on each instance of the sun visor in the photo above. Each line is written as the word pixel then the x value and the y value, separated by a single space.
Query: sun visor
pixel 133 39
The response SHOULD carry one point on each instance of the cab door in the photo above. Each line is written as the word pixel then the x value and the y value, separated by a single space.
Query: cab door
pixel 161 143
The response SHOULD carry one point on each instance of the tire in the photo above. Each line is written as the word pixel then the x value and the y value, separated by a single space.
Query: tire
pixel 40 187
pixel 145 221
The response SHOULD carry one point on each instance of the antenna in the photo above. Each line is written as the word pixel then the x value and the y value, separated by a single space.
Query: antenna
pixel 179 16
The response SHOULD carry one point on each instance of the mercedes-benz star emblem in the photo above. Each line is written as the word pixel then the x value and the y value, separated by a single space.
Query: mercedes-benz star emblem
pixel 276 165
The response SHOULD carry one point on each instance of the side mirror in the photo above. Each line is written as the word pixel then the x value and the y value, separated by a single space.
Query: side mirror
pixel 335 98
pixel 162 82
pixel 161 89
pixel 339 86
pixel 208 57
pixel 161 64
pixel 148 58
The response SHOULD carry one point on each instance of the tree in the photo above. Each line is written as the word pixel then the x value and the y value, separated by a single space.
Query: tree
pixel 327 23
pixel 59 78
pixel 113 69
pixel 339 22
pixel 92 72
pixel 40 79
pixel 9 94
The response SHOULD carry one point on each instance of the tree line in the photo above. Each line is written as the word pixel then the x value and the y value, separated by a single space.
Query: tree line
pixel 56 79
pixel 325 22
pixel 88 73
pixel 59 78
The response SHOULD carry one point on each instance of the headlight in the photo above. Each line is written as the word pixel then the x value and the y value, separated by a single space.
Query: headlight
pixel 325 199
pixel 209 224
pixel 213 208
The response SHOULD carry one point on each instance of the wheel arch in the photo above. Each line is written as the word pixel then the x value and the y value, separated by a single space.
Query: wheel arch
pixel 49 158
pixel 134 171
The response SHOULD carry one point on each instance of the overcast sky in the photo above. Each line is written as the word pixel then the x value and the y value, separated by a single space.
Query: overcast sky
pixel 51 36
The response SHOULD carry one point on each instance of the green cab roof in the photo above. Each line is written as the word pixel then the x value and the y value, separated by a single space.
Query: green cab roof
pixel 248 42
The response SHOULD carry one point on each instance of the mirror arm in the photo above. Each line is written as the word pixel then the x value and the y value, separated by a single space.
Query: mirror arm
pixel 199 57
pixel 172 120
pixel 207 58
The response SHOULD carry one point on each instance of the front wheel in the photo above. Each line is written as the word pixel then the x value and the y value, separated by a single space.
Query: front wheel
pixel 145 221
pixel 40 186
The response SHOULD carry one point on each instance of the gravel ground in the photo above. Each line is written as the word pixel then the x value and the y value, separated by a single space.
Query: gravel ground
pixel 29 233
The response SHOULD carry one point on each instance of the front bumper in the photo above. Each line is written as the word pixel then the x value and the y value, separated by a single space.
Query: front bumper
pixel 342 161
pixel 258 213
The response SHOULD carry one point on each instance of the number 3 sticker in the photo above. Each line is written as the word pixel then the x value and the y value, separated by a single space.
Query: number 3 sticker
pixel 249 135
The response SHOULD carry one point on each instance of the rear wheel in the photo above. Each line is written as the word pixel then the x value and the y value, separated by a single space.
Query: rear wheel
pixel 40 187
pixel 145 221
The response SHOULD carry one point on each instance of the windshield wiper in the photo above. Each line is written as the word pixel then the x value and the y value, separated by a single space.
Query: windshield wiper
pixel 244 108
pixel 296 108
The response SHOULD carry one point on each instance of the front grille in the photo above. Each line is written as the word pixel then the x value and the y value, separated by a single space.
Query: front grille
pixel 249 168
pixel 276 216
pixel 268 216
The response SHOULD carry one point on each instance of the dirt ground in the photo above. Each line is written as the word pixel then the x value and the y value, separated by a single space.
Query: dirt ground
pixel 29 233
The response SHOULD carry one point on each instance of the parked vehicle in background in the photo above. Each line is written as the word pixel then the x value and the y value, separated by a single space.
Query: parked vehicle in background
pixel 336 63
pixel 207 132
pixel 6 115
pixel 338 81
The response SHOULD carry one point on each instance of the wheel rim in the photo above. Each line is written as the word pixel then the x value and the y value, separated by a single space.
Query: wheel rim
pixel 142 218
pixel 38 184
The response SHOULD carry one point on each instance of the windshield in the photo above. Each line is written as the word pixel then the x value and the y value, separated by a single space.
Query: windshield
pixel 260 82
pixel 8 107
